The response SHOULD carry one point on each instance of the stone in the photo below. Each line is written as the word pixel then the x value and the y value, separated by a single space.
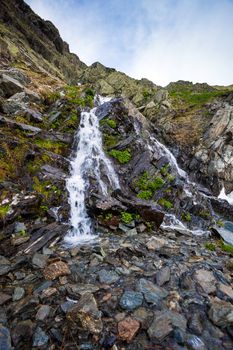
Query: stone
pixel 67 305
pixel 23 333
pixel 19 293
pixel 152 293
pixel 20 227
pixel 144 316
pixel 21 126
pixel 229 264
pixel 195 323
pixel 108 277
pixel 226 290
pixel 5 265
pixel 33 116
pixel 195 343
pixel 163 276
pixel 206 280
pixel 39 260
pixel 40 338
pixel 155 243
pixel 9 85
pixel 131 300
pixel 5 338
pixel 141 228
pixel 87 313
pixel 128 328
pixel 221 312
pixel 4 298
pixel 82 288
pixel 43 312
pixel 132 232
pixel 56 269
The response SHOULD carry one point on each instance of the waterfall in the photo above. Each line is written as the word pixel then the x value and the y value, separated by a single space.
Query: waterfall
pixel 89 161
pixel 226 197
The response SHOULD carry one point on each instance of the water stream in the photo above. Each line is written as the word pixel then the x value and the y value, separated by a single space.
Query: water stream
pixel 90 162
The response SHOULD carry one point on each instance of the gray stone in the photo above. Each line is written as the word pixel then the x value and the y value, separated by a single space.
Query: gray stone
pixel 131 300
pixel 206 280
pixel 43 312
pixel 195 343
pixel 108 277
pixel 67 305
pixel 19 293
pixel 40 338
pixel 221 313
pixel 5 265
pixel 19 227
pixel 195 323
pixel 132 232
pixel 33 115
pixel 39 260
pixel 21 126
pixel 152 293
pixel 3 316
pixel 5 338
pixel 163 276
pixel 9 85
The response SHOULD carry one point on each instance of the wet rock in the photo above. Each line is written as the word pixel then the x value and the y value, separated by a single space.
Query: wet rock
pixel 4 298
pixel 109 342
pixel 152 293
pixel 5 265
pixel 43 312
pixel 195 323
pixel 131 300
pixel 195 343
pixel 226 290
pixel 19 275
pixel 132 232
pixel 144 316
pixel 56 269
pixel 51 172
pixel 42 287
pixel 40 338
pixel 108 277
pixel 206 280
pixel 67 305
pixel 156 243
pixel 19 227
pixel 19 293
pixel 5 338
pixel 163 276
pixel 23 332
pixel 26 306
pixel 86 312
pixel 128 328
pixel 221 313
pixel 39 260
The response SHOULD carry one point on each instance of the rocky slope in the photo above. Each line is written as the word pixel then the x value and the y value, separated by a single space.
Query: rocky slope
pixel 141 285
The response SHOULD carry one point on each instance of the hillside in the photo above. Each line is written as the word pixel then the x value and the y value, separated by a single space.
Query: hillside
pixel 112 232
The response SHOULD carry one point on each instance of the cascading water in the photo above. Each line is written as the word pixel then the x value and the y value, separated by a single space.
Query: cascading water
pixel 90 160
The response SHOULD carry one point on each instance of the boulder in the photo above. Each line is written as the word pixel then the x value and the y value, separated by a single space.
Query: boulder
pixel 9 85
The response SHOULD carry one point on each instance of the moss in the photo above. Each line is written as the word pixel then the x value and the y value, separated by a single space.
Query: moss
pixel 122 157
pixel 110 140
pixel 204 214
pixel 210 246
pixel 164 169
pixel 54 146
pixel 147 194
pixel 170 177
pixel 146 183
pixel 165 203
pixel 220 223
pixel 4 210
pixel 126 217
pixel 186 217
pixel 110 122
pixel 228 248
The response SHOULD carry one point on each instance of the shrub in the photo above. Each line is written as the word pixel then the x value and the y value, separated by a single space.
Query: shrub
pixel 121 156
pixel 164 169
pixel 4 210
pixel 147 194
pixel 226 247
pixel 186 217
pixel 210 246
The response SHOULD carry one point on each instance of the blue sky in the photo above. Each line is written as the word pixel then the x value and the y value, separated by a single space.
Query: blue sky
pixel 162 40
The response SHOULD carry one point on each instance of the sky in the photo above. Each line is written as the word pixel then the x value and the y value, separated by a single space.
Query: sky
pixel 161 40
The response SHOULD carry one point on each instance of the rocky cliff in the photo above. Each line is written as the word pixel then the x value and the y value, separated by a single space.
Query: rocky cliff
pixel 160 274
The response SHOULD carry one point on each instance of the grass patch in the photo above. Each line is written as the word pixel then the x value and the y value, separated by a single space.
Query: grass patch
pixel 4 210
pixel 147 194
pixel 110 122
pixel 186 217
pixel 228 248
pixel 53 146
pixel 122 157
pixel 126 217
pixel 210 246
pixel 165 203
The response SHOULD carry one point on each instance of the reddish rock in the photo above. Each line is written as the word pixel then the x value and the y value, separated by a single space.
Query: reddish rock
pixel 56 269
pixel 128 328
pixel 4 298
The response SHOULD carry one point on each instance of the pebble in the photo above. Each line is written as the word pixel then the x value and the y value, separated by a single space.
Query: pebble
pixel 56 269
pixel 152 293
pixel 43 312
pixel 5 338
pixel 128 328
pixel 108 277
pixel 19 293
pixel 40 338
pixel 131 300
pixel 39 260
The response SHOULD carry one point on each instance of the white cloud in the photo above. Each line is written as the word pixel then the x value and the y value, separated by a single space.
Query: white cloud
pixel 161 40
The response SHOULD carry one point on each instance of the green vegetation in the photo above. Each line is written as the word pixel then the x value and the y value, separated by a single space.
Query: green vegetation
pixel 110 140
pixel 226 247
pixel 146 94
pixel 170 178
pixel 164 169
pixel 110 122
pixel 220 223
pixel 126 217
pixel 108 217
pixel 147 194
pixel 165 203
pixel 4 210
pixel 204 214
pixel 146 183
pixel 122 157
pixel 53 146
pixel 210 246
pixel 186 217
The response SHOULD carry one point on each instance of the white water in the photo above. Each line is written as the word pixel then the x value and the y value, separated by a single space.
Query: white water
pixel 90 161
pixel 227 197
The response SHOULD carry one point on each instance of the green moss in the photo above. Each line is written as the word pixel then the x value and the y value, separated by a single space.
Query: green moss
pixel 205 214
pixel 110 122
pixel 146 183
pixel 53 146
pixel 4 210
pixel 110 140
pixel 122 157
pixel 226 247
pixel 147 194
pixel 170 178
pixel 186 217
pixel 165 203
pixel 164 169
pixel 210 246
pixel 126 217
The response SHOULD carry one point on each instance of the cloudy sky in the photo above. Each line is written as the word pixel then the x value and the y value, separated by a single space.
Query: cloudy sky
pixel 162 40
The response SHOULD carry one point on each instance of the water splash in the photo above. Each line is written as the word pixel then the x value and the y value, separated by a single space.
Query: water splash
pixel 90 161
pixel 226 197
